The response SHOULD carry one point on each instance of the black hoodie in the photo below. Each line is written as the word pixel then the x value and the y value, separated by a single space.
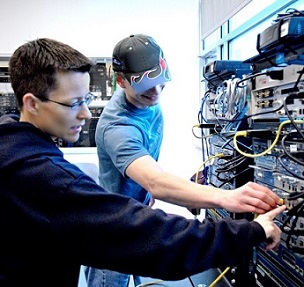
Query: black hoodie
pixel 54 218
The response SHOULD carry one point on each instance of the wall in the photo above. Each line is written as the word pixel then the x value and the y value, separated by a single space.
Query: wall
pixel 221 10
pixel 95 26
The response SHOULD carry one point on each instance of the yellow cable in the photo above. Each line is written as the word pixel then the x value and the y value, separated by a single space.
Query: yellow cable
pixel 219 277
pixel 208 159
pixel 244 133
pixel 150 283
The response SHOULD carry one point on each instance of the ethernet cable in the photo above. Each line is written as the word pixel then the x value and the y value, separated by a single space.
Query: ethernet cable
pixel 293 216
pixel 248 132
pixel 219 277
pixel 233 177
pixel 204 163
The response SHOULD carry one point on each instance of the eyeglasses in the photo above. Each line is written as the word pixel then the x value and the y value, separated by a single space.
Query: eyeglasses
pixel 75 106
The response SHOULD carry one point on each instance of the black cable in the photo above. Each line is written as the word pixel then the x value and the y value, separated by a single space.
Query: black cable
pixel 294 12
pixel 263 113
pixel 288 153
pixel 298 80
pixel 233 177
pixel 273 74
pixel 230 161
pixel 220 170
pixel 192 283
pixel 224 135
pixel 295 96
pixel 296 195
pixel 285 167
pixel 209 82
pixel 248 78
pixel 292 217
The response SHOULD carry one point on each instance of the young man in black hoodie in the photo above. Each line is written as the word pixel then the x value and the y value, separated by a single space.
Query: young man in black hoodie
pixel 55 218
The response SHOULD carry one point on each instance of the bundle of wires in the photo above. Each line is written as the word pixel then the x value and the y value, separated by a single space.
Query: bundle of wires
pixel 291 226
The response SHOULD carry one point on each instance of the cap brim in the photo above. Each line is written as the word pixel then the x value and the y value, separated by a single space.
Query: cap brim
pixel 141 82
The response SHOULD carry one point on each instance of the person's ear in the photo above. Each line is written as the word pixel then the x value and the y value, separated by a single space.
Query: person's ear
pixel 30 103
pixel 121 81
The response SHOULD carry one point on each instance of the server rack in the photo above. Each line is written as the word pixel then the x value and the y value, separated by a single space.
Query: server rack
pixel 258 135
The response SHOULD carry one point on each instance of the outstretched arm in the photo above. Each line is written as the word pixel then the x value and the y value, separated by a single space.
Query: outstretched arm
pixel 251 197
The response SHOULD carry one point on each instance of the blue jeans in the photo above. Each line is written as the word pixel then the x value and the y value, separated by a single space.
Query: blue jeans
pixel 107 278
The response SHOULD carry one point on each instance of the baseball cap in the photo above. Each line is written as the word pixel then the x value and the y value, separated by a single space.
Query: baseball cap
pixel 141 61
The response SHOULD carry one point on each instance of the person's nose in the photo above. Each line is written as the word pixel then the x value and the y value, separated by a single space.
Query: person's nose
pixel 84 112
pixel 155 90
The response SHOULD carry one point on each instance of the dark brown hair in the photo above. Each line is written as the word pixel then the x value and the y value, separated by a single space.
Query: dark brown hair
pixel 34 65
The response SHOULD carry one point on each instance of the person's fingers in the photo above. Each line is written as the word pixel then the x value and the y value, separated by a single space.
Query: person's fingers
pixel 274 240
pixel 276 211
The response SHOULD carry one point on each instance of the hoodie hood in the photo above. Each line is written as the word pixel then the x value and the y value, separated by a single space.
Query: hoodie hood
pixel 29 142
pixel 5 119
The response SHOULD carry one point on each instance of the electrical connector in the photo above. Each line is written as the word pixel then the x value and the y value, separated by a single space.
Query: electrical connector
pixel 262 133
pixel 206 126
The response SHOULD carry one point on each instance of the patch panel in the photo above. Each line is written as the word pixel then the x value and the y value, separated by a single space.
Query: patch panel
pixel 278 270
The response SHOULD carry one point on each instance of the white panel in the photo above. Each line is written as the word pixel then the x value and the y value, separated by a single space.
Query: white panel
pixel 214 13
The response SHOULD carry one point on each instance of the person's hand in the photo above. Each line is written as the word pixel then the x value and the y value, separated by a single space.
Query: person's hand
pixel 251 197
pixel 272 231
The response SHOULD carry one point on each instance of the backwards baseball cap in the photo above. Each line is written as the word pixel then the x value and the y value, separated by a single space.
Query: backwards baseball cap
pixel 141 61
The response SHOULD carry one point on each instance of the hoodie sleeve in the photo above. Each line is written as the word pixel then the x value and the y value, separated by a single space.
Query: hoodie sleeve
pixel 63 214
pixel 110 231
